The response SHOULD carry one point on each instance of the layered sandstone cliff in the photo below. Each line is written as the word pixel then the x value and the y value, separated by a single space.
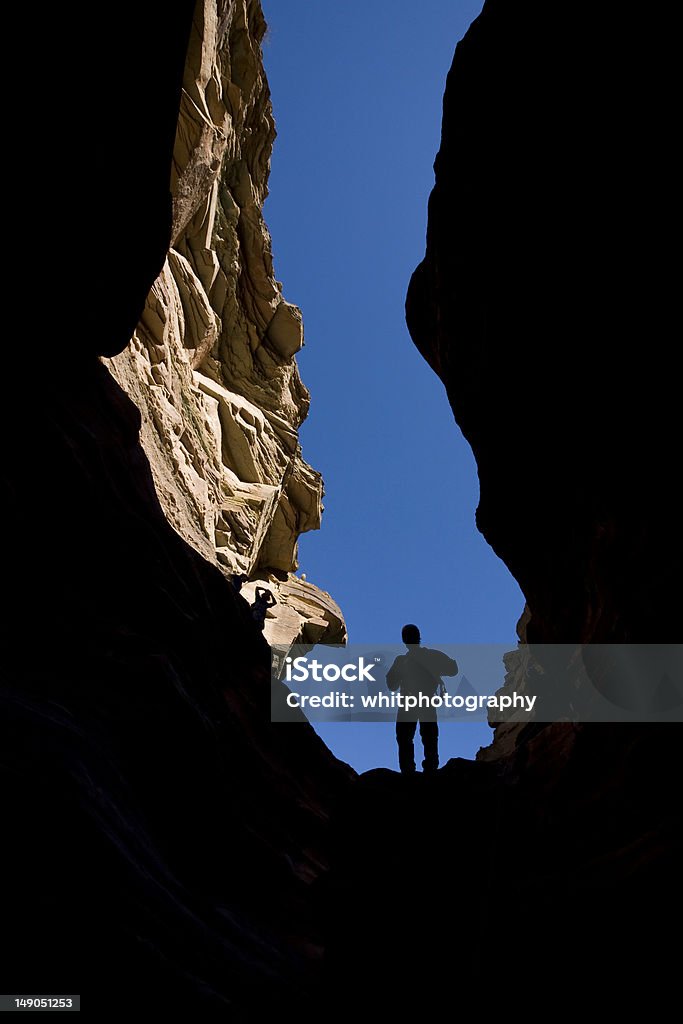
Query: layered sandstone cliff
pixel 165 836
pixel 212 363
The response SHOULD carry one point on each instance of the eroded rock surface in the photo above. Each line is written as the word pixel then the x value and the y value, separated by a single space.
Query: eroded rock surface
pixel 536 289
pixel 211 365
pixel 165 836
pixel 543 277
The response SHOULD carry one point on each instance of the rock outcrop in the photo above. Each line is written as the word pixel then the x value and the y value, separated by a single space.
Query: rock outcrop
pixel 542 276
pixel 212 364
pixel 542 279
pixel 164 832
pixel 552 873
pixel 163 837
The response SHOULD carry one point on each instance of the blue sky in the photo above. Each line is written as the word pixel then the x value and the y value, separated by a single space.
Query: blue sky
pixel 357 90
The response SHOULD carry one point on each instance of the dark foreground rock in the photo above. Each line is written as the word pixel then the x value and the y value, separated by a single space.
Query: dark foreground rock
pixel 555 872
pixel 544 302
pixel 160 837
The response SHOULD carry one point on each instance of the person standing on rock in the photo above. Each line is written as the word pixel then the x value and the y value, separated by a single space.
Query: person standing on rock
pixel 416 673
pixel 264 601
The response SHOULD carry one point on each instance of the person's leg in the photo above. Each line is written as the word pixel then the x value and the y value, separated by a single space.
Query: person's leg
pixel 405 733
pixel 429 733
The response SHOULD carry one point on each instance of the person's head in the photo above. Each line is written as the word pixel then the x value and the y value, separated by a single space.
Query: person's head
pixel 410 634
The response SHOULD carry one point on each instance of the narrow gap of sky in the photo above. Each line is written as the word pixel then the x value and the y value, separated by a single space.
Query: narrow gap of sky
pixel 357 93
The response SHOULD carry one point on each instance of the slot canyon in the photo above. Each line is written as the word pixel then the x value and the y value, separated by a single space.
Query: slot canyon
pixel 163 838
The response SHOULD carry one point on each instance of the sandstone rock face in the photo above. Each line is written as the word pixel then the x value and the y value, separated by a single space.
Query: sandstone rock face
pixel 543 273
pixel 533 287
pixel 536 285
pixel 211 365
pixel 165 835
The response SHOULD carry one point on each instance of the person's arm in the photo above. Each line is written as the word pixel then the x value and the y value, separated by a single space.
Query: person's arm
pixel 259 593
pixel 442 665
pixel 271 599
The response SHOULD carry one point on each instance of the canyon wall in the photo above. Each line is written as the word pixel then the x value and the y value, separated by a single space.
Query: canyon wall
pixel 211 365
pixel 544 302
pixel 165 837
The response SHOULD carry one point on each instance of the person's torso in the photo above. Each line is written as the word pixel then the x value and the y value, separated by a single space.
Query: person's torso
pixel 416 675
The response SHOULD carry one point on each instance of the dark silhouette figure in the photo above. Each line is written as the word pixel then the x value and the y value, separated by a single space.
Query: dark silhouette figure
pixel 264 601
pixel 238 581
pixel 415 673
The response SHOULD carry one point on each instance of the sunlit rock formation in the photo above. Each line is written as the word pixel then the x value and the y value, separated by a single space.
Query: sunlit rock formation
pixel 165 837
pixel 212 364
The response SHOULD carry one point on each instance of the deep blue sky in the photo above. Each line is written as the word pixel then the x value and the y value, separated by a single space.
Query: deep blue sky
pixel 357 89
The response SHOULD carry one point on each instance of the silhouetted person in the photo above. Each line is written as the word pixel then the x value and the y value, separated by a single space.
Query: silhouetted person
pixel 264 601
pixel 418 672
pixel 239 581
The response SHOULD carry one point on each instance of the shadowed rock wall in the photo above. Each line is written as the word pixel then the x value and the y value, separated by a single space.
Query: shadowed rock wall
pixel 164 837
